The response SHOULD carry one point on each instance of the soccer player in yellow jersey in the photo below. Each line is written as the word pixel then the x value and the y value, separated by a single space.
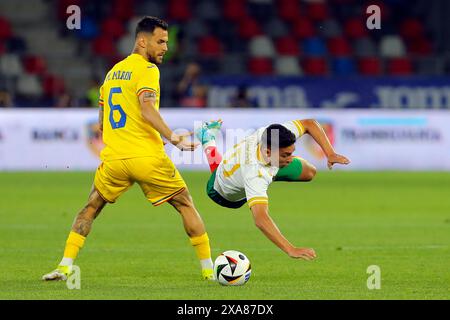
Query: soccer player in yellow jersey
pixel 132 128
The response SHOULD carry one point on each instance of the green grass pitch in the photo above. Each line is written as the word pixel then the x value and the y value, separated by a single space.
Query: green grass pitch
pixel 398 221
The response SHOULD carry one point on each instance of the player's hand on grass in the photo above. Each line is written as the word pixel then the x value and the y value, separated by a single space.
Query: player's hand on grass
pixel 302 253
pixel 182 142
pixel 336 158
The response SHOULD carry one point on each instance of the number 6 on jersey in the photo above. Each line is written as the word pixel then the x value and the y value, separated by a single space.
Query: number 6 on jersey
pixel 116 107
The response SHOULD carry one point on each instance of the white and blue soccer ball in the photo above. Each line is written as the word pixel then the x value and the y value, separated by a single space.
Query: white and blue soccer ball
pixel 232 268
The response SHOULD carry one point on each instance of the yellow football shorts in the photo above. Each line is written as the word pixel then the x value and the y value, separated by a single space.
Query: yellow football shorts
pixel 157 176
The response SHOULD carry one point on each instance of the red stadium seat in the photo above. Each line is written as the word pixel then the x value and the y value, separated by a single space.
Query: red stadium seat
pixel 355 28
pixel 249 28
pixel 209 46
pixel 370 66
pixel 287 46
pixel 260 66
pixel 53 85
pixel 421 47
pixel 411 29
pixel 289 10
pixel 317 11
pixel 35 65
pixel 303 28
pixel 104 46
pixel 123 9
pixel 113 28
pixel 5 29
pixel 179 10
pixel 315 66
pixel 399 67
pixel 339 47
pixel 235 10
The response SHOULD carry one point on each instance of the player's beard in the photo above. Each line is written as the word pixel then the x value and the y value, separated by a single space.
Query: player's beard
pixel 154 59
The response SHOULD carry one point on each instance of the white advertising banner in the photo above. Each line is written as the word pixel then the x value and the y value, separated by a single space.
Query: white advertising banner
pixel 49 139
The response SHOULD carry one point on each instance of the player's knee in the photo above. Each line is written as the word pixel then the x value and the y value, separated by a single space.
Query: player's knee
pixel 95 200
pixel 309 173
pixel 182 201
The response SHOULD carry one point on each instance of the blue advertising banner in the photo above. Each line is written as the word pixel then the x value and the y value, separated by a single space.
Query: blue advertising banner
pixel 296 92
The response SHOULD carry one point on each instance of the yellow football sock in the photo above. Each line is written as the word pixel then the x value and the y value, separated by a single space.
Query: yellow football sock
pixel 74 243
pixel 201 246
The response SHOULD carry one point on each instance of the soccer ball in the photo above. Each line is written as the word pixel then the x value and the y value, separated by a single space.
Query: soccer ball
pixel 232 268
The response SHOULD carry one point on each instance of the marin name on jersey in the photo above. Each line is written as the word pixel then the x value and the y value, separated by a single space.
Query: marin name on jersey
pixel 119 75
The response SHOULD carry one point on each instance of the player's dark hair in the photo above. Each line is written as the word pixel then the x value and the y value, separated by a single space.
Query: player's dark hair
pixel 149 24
pixel 285 137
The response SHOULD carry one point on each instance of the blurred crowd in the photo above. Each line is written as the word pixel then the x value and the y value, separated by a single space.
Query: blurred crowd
pixel 43 63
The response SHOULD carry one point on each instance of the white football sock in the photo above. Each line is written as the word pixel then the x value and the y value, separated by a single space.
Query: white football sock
pixel 66 262
pixel 206 264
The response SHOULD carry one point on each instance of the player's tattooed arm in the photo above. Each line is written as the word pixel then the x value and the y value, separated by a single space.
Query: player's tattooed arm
pixel 147 101
pixel 149 96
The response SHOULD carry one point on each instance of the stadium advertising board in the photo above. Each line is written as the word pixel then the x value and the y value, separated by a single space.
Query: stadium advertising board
pixel 34 139
pixel 293 92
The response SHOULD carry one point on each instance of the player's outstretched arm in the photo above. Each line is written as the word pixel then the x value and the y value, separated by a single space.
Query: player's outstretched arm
pixel 315 130
pixel 265 223
pixel 147 101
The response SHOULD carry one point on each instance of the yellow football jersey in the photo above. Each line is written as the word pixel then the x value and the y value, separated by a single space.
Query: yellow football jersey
pixel 126 134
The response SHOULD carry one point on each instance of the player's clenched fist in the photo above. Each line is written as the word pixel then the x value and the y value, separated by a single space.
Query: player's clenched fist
pixel 302 253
